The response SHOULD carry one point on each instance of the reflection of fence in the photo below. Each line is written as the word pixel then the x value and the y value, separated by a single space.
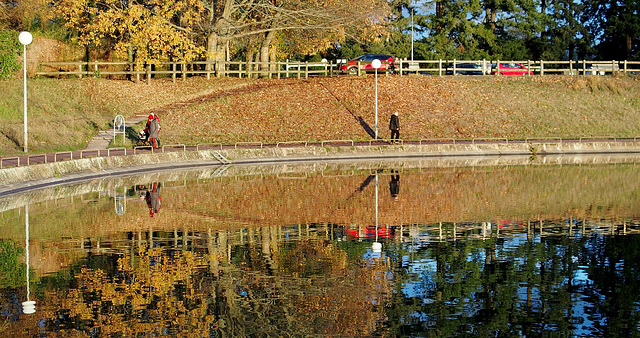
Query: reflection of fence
pixel 222 242
pixel 297 69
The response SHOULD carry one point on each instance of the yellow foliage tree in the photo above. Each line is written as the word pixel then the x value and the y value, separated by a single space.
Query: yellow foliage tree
pixel 142 32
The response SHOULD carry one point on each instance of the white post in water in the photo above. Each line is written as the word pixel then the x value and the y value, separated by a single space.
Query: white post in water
pixel 25 38
pixel 28 306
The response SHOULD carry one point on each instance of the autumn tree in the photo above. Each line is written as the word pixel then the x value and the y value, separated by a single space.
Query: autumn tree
pixel 308 25
pixel 24 15
pixel 141 31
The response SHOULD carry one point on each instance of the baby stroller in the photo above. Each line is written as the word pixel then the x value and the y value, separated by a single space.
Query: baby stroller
pixel 143 138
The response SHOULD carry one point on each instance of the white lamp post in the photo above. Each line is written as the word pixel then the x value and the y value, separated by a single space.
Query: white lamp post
pixel 25 38
pixel 411 36
pixel 376 64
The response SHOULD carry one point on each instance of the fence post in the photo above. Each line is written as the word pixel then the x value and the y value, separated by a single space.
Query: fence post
pixel 541 67
pixel 584 67
pixel 498 67
pixel 306 68
pixel 570 67
pixel 183 69
pixel 80 70
pixel 149 74
pixel 613 67
pixel 625 67
pixel 440 67
pixel 529 72
pixel 173 72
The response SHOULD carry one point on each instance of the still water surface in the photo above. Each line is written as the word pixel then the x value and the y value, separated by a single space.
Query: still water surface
pixel 414 248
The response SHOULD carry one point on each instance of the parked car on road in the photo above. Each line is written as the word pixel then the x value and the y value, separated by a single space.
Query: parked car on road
pixel 365 60
pixel 601 68
pixel 510 68
pixel 466 68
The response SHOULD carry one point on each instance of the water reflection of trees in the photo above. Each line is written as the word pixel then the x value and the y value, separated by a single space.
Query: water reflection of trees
pixel 581 286
pixel 306 287
pixel 501 251
pixel 306 280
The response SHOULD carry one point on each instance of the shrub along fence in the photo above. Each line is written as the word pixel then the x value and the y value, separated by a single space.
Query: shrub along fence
pixel 175 70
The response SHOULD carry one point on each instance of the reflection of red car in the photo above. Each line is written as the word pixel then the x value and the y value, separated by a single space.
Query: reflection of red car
pixel 510 68
pixel 370 232
pixel 365 63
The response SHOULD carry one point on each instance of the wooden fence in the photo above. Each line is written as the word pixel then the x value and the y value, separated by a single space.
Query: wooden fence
pixel 241 69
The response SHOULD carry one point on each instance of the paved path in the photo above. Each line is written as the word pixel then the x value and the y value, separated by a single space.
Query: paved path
pixel 104 137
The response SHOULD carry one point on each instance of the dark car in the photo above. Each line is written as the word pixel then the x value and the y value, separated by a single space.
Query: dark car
pixel 365 60
pixel 466 68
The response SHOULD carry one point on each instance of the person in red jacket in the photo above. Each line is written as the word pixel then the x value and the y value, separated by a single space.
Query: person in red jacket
pixel 152 129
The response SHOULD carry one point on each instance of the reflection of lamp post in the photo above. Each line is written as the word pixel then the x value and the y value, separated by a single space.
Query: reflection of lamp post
pixel 376 64
pixel 376 246
pixel 25 38
pixel 29 306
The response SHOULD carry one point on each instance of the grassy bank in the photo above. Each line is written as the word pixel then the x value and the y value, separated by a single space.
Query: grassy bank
pixel 65 114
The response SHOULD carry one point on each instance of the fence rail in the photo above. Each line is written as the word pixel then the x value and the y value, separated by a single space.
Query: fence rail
pixel 26 160
pixel 296 69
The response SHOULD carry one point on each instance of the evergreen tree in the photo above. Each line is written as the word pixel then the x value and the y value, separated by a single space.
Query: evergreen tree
pixel 615 28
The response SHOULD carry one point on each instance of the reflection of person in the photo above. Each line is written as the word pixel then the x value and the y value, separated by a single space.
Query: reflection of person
pixel 394 126
pixel 153 199
pixel 394 184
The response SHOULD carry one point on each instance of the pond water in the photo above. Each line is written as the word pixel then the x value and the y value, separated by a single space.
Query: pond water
pixel 432 247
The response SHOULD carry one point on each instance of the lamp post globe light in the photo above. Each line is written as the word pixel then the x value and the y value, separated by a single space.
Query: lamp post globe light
pixel 376 65
pixel 25 38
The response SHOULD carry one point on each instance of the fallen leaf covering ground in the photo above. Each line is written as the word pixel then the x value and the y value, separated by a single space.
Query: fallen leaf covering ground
pixel 429 107
pixel 66 113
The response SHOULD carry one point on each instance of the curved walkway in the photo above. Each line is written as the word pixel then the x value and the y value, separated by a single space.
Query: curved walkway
pixel 17 179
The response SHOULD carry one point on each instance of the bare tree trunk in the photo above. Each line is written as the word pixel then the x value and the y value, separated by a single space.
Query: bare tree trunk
pixel 264 51
pixel 272 60
pixel 490 17
pixel 212 50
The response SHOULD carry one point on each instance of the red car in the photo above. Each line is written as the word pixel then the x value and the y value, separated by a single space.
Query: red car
pixel 510 68
pixel 365 60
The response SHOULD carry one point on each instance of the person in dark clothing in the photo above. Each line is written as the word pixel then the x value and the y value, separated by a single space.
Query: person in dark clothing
pixel 394 184
pixel 394 126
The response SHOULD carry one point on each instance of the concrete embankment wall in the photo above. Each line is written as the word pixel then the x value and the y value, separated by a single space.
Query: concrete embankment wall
pixel 51 173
